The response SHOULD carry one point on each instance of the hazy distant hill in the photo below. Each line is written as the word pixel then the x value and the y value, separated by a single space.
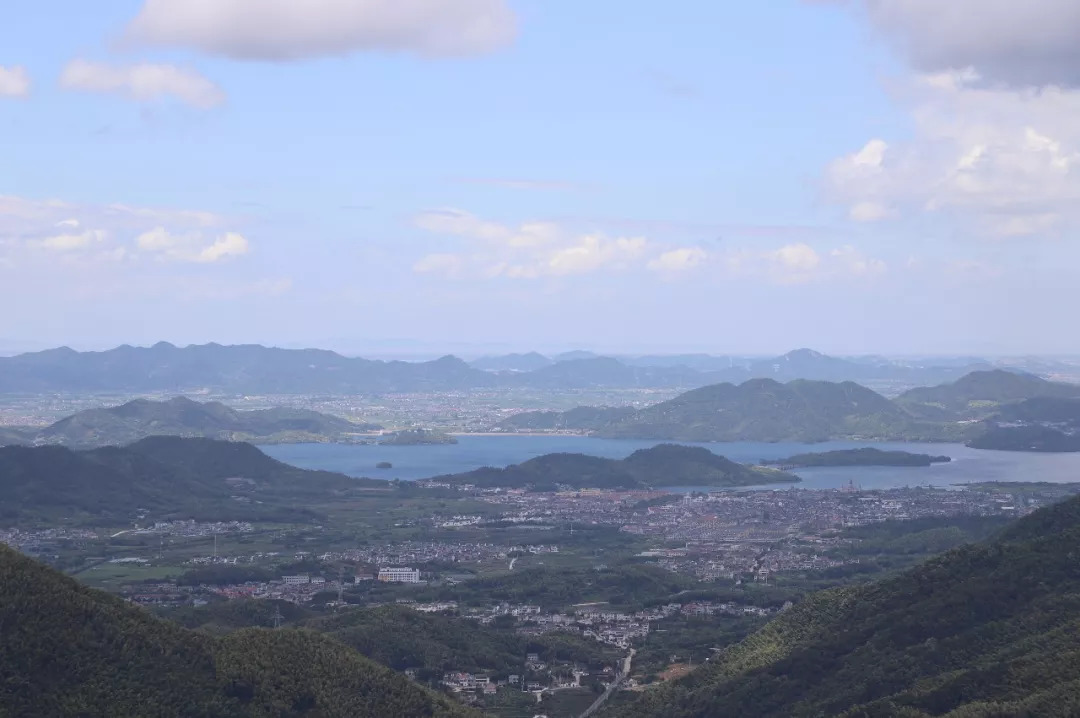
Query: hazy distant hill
pixel 985 631
pixel 663 465
pixel 120 425
pixel 582 418
pixel 71 651
pixel 1063 412
pixel 601 372
pixel 980 394
pixel 247 369
pixel 1042 439
pixel 168 477
pixel 258 369
pixel 512 362
pixel 765 410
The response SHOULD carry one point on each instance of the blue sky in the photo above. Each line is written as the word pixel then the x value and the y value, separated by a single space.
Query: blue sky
pixel 471 175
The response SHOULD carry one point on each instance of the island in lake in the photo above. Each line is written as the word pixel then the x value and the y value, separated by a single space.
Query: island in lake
pixel 665 465
pixel 417 437
pixel 857 457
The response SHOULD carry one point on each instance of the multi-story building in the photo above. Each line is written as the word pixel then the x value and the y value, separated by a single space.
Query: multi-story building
pixel 296 580
pixel 399 575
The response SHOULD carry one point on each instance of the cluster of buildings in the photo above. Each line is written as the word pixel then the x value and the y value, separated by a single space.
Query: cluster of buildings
pixel 194 528
pixel 36 542
pixel 420 552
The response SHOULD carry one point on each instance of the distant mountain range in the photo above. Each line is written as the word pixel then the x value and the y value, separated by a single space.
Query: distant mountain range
pixel 581 369
pixel 163 478
pixel 984 630
pixel 121 425
pixel 254 369
pixel 801 410
pixel 662 465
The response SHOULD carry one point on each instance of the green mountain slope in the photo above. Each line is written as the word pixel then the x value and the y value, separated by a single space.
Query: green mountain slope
pixel 1042 439
pixel 401 638
pixel 979 395
pixel 124 424
pixel 765 410
pixel 662 465
pixel 169 477
pixel 985 630
pixel 71 651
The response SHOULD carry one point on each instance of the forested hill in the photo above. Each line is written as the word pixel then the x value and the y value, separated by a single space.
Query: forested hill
pixel 168 477
pixel 765 410
pixel 662 465
pixel 71 651
pixel 980 394
pixel 127 423
pixel 987 630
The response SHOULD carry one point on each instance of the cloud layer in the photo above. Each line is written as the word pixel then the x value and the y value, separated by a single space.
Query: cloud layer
pixel 114 232
pixel 998 162
pixel 289 30
pixel 14 82
pixel 1020 43
pixel 529 250
pixel 143 82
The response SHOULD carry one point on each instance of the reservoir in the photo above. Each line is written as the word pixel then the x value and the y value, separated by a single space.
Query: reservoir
pixel 471 452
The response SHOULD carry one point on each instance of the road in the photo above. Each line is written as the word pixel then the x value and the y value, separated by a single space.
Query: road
pixel 619 678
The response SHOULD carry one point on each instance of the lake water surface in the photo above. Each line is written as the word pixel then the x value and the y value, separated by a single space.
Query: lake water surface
pixel 472 452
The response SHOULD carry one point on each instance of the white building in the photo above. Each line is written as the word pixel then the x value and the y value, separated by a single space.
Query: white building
pixel 296 580
pixel 399 575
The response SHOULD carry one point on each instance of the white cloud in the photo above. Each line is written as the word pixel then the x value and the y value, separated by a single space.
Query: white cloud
pixel 678 260
pixel 26 217
pixel 143 82
pixel 191 246
pixel 71 242
pixel 999 162
pixel 593 252
pixel 524 251
pixel 289 29
pixel 464 224
pixel 14 82
pixel 799 263
pixel 1020 43
pixel 793 263
pixel 870 212
pixel 445 264
pixel 856 263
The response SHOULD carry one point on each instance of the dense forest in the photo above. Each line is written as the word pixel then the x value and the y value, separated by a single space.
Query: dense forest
pixel 180 416
pixel 68 650
pixel 164 478
pixel 659 466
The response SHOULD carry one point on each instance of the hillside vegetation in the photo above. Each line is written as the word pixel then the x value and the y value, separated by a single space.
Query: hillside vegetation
pixel 127 423
pixel 859 457
pixel 163 477
pixel 980 394
pixel 989 629
pixel 71 651
pixel 765 410
pixel 660 466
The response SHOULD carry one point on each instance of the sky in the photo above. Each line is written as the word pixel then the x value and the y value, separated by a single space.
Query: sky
pixel 395 176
